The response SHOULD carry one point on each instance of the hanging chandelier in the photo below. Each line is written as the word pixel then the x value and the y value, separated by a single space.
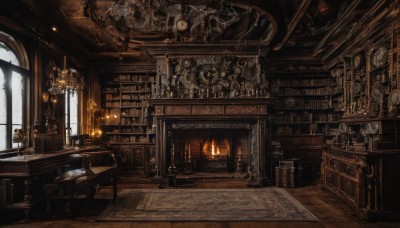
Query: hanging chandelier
pixel 61 81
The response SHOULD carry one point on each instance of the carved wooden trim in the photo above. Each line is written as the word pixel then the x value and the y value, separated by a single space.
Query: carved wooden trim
pixel 210 107
pixel 211 125
pixel 207 110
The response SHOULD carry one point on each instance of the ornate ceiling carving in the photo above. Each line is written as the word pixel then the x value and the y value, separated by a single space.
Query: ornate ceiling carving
pixel 281 30
pixel 130 21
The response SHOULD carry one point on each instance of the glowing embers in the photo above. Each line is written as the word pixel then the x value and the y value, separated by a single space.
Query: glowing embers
pixel 215 148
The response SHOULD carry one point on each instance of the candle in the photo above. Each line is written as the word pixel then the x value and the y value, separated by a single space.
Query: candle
pixel 189 152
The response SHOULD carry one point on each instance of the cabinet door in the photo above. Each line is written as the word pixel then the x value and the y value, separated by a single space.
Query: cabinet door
pixel 150 159
pixel 138 157
pixel 126 156
pixel 132 157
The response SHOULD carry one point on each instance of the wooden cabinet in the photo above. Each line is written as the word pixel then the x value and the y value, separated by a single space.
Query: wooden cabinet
pixel 126 121
pixel 361 163
pixel 365 180
pixel 343 174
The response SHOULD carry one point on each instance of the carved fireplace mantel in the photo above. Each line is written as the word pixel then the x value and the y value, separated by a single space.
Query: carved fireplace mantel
pixel 239 113
pixel 220 108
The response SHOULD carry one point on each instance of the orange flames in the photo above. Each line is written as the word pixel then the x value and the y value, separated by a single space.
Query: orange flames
pixel 214 149
pixel 213 146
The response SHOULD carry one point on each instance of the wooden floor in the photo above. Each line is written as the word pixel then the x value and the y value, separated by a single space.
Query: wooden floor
pixel 329 211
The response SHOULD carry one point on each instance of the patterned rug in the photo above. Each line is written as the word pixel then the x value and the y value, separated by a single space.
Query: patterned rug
pixel 265 204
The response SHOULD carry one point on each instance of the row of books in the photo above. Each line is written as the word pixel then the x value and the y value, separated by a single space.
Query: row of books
pixel 303 82
pixel 308 117
pixel 131 78
pixel 296 91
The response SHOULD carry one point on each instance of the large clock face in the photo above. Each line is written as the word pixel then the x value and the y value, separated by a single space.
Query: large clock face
pixel 394 97
pixel 379 57
pixel 342 128
pixel 181 25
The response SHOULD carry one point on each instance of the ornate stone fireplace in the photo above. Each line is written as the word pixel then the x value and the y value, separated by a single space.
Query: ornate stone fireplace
pixel 206 102
pixel 241 123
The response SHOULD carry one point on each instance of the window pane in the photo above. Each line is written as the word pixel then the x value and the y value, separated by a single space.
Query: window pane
pixel 73 113
pixel 17 88
pixel 7 55
pixel 12 94
pixel 3 99
pixel 74 129
pixel 3 139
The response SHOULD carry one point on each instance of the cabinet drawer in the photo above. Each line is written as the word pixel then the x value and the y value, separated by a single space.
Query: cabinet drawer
pixel 349 188
pixel 331 178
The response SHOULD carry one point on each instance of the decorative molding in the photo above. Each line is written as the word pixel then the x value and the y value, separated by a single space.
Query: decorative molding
pixel 210 124
pixel 131 22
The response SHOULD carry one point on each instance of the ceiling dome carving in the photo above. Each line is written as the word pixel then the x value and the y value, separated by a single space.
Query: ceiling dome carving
pixel 181 21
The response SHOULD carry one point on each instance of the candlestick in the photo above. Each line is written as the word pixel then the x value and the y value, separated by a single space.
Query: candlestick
pixel 189 152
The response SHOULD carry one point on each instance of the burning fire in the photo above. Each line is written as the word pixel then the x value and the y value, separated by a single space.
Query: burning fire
pixel 213 146
pixel 215 149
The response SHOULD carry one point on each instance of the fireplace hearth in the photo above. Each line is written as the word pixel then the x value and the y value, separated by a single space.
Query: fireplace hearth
pixel 216 135
pixel 212 150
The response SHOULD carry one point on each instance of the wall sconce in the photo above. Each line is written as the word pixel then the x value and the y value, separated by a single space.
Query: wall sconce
pixel 45 97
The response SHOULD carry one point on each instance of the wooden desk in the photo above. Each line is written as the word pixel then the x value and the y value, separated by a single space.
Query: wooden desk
pixel 29 167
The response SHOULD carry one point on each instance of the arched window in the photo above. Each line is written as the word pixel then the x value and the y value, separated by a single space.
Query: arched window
pixel 13 84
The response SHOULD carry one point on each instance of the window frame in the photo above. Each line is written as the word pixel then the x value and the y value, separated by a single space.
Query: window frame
pixel 8 69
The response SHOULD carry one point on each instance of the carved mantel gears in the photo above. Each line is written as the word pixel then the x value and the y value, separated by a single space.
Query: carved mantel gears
pixel 221 76
pixel 208 75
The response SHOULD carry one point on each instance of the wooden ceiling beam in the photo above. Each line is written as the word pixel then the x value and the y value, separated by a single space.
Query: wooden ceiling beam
pixel 294 22
pixel 363 31
pixel 340 23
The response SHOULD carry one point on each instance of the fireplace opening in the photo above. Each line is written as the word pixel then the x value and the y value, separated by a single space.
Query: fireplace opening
pixel 211 150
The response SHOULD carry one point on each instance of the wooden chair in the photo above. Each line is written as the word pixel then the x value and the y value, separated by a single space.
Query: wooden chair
pixel 88 177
